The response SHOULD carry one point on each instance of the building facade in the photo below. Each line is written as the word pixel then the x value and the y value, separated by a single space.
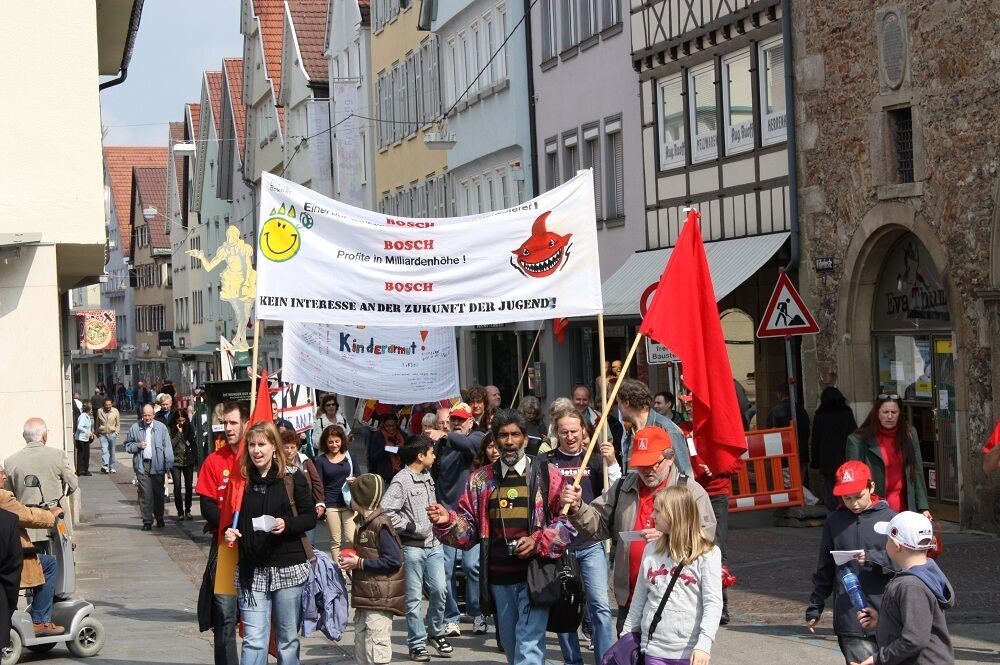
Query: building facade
pixel 405 65
pixel 593 126
pixel 56 176
pixel 900 207
pixel 713 120
pixel 349 49
pixel 150 257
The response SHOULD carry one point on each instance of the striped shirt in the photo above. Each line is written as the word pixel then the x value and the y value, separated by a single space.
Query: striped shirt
pixel 508 511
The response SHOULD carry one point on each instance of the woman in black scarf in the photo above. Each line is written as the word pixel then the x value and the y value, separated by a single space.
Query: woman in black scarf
pixel 274 563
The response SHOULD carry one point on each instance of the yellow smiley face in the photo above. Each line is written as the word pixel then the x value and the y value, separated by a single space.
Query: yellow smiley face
pixel 279 239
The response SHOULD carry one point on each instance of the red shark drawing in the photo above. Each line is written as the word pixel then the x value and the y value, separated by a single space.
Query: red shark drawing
pixel 543 253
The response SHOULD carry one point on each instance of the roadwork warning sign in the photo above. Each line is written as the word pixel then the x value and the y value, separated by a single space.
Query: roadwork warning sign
pixel 786 314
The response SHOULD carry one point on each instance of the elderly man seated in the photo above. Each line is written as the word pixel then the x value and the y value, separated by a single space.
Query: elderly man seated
pixel 39 571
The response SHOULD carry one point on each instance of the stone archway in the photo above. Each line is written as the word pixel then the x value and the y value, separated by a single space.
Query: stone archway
pixel 872 241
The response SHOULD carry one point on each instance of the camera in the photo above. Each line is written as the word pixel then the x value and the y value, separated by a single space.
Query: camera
pixel 512 547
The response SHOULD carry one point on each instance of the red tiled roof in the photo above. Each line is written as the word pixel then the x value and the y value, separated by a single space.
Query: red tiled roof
pixel 234 82
pixel 151 190
pixel 309 20
pixel 177 136
pixel 214 81
pixel 119 161
pixel 194 112
pixel 272 29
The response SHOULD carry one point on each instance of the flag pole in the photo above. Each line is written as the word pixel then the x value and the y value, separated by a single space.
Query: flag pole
pixel 603 433
pixel 604 415
pixel 253 396
pixel 527 363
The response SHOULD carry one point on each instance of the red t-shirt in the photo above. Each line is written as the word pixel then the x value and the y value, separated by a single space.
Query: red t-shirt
pixel 215 473
pixel 994 439
pixel 643 520
pixel 895 469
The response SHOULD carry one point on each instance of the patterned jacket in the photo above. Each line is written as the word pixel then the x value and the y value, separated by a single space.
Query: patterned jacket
pixel 470 522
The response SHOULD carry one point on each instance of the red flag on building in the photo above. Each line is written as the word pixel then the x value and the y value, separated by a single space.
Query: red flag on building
pixel 684 317
pixel 237 483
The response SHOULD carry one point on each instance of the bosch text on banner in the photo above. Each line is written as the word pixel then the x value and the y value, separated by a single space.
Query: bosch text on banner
pixel 322 261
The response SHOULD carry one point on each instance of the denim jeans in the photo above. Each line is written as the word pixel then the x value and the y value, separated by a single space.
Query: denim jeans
pixel 287 607
pixel 424 565
pixel 42 595
pixel 108 451
pixel 594 576
pixel 857 649
pixel 470 565
pixel 521 624
pixel 224 627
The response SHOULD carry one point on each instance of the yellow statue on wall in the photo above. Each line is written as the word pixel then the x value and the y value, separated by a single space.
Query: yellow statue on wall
pixel 239 280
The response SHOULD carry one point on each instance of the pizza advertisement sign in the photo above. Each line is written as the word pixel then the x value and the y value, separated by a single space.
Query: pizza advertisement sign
pixel 98 330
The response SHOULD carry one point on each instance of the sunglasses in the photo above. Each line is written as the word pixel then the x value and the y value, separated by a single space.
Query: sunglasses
pixel 887 396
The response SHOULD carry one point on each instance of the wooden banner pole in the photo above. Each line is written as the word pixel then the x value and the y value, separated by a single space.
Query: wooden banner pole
pixel 253 364
pixel 604 415
pixel 527 364
pixel 602 433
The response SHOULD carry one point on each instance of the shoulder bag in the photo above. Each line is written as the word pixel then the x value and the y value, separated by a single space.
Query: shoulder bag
pixel 627 650
pixel 290 490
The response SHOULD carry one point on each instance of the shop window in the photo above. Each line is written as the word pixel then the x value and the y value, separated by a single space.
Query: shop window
pixel 672 130
pixel 772 91
pixel 703 107
pixel 737 102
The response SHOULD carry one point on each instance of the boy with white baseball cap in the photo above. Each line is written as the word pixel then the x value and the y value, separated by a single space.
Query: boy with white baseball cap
pixel 910 626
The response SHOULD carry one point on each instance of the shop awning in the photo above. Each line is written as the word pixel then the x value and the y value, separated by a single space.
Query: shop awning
pixel 202 349
pixel 732 262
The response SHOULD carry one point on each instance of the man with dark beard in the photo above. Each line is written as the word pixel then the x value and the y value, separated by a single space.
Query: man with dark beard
pixel 504 508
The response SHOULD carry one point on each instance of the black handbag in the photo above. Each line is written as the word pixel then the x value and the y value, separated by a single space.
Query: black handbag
pixel 544 588
pixel 566 614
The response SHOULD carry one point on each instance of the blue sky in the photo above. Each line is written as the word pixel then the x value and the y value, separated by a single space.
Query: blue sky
pixel 177 41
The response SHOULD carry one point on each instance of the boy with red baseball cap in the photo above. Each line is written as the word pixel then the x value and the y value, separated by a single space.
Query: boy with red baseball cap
pixel 851 527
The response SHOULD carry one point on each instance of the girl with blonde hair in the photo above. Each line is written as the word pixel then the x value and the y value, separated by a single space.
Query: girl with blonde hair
pixel 685 567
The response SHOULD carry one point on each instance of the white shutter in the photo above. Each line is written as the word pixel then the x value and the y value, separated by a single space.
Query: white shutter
pixel 619 203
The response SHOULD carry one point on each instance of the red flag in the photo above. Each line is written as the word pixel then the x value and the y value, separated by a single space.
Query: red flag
pixel 559 326
pixel 237 483
pixel 684 317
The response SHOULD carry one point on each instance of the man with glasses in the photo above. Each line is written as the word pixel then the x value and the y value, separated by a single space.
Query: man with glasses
pixel 627 506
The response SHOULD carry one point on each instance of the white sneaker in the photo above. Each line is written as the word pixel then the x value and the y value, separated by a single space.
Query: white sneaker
pixel 451 629
pixel 479 625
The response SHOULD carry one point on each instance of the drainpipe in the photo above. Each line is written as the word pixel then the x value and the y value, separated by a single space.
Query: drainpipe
pixel 793 173
pixel 133 30
pixel 532 131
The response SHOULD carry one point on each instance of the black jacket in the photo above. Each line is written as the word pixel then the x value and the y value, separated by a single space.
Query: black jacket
pixel 830 430
pixel 11 560
pixel 453 465
pixel 844 530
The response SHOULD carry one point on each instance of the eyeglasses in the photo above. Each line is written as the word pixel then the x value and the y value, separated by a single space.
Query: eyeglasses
pixel 892 396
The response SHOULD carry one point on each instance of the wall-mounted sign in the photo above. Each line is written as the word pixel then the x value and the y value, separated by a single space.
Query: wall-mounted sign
pixel 657 354
pixel 165 338
pixel 823 263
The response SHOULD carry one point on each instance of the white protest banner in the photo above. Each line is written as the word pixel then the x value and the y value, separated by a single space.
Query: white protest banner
pixel 295 404
pixel 321 261
pixel 394 365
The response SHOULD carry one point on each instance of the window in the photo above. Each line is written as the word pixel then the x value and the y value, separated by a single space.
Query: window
pixel 592 160
pixel 466 56
pixel 551 164
pixel 672 136
pixel 453 73
pixel 737 102
pixel 901 126
pixel 571 161
pixel 615 202
pixel 612 13
pixel 490 35
pixel 379 111
pixel 772 91
pixel 476 55
pixel 570 37
pixel 138 319
pixel 548 29
pixel 588 19
pixel 420 112
pixel 701 90
pixel 501 58
pixel 402 108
